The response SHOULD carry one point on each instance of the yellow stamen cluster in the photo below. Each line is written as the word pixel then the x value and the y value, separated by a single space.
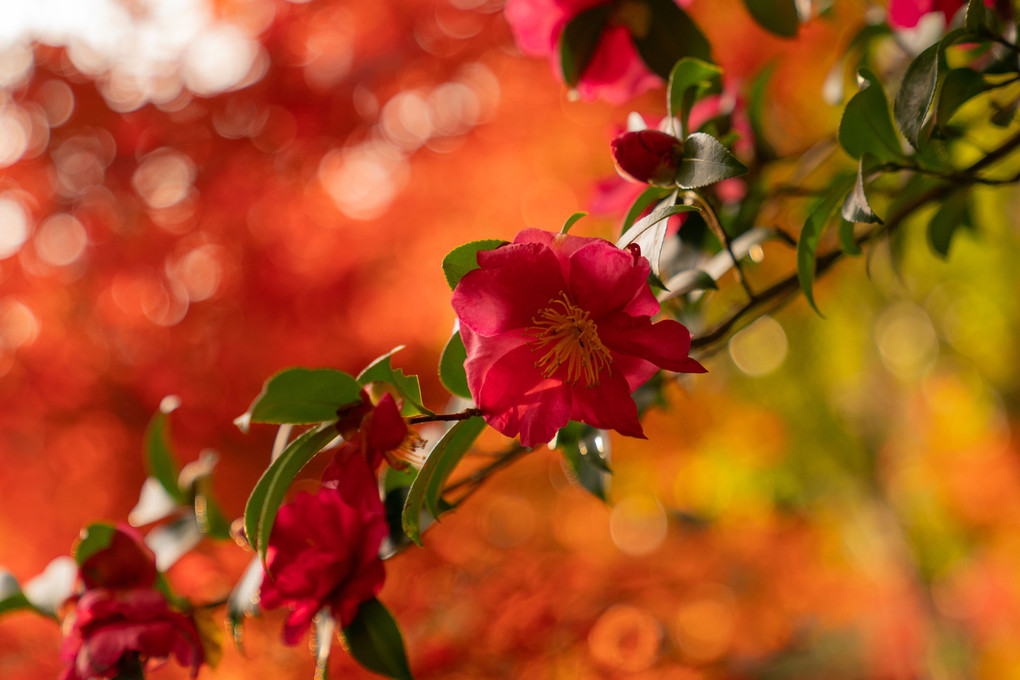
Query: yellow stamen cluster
pixel 407 453
pixel 572 340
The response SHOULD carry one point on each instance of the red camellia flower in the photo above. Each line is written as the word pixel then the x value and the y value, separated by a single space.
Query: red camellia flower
pixel 378 431
pixel 648 156
pixel 324 550
pixel 615 72
pixel 906 13
pixel 121 621
pixel 558 328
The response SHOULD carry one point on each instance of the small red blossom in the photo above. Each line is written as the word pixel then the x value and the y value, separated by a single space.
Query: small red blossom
pixel 378 431
pixel 906 13
pixel 558 328
pixel 648 156
pixel 121 621
pixel 324 550
pixel 615 72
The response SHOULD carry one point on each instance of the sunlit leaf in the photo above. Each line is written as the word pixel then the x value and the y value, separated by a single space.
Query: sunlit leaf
pixel 810 235
pixel 159 450
pixel 243 600
pixel 866 126
pixel 94 538
pixel 776 16
pixel 579 39
pixel 847 238
pixel 977 17
pixel 374 641
pixel 302 396
pixel 960 85
pixel 571 221
pixel 451 367
pixel 267 496
pixel 952 214
pixel 647 197
pixel 706 161
pixel 650 231
pixel 687 78
pixel 407 386
pixel 428 485
pixel 585 452
pixel 690 280
pixel 464 259
pixel 916 93
pixel 671 36
pixel 856 207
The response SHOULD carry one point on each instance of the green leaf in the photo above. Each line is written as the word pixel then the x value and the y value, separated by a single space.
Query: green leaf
pixel 464 259
pixel 952 214
pixel 688 77
pixel 94 538
pixel 671 35
pixel 706 161
pixel 158 450
pixel 916 93
pixel 689 281
pixel 427 487
pixel 301 396
pixel 267 496
pixel 211 520
pixel 866 126
pixel 451 367
pixel 856 207
pixel 243 602
pixel 977 17
pixel 647 197
pixel 571 220
pixel 650 231
pixel 959 86
pixel 11 597
pixel 579 39
pixel 407 386
pixel 810 235
pixel 585 452
pixel 374 641
pixel 847 238
pixel 775 16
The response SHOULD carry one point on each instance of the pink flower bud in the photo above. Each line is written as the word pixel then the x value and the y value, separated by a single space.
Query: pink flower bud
pixel 647 156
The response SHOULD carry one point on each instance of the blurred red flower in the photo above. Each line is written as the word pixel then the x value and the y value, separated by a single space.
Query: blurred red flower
pixel 121 621
pixel 615 72
pixel 648 156
pixel 906 13
pixel 378 431
pixel 558 328
pixel 324 550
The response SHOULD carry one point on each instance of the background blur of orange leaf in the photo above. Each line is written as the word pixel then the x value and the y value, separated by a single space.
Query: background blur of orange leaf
pixel 828 501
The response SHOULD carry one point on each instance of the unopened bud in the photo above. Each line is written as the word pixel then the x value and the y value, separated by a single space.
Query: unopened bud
pixel 648 156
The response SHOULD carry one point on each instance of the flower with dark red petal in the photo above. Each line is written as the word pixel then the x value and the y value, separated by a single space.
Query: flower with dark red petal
pixel 324 549
pixel 558 328
pixel 121 622
pixel 906 13
pixel 648 156
pixel 378 431
pixel 615 72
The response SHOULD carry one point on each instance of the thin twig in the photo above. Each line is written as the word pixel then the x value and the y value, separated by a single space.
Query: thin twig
pixel 445 417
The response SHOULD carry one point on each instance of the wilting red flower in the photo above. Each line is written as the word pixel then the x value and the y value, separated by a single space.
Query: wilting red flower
pixel 112 631
pixel 558 328
pixel 615 72
pixel 648 156
pixel 906 13
pixel 121 621
pixel 324 550
pixel 378 431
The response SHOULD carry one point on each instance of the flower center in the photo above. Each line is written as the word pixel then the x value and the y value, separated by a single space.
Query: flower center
pixel 408 453
pixel 570 338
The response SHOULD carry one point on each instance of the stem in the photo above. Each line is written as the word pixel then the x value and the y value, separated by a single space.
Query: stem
pixel 474 480
pixel 695 199
pixel 445 417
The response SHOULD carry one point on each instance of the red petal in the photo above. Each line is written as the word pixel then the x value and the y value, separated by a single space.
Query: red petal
pixel 607 405
pixel 665 344
pixel 604 279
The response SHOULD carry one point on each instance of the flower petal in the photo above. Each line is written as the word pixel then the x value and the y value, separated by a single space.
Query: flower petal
pixel 666 343
pixel 605 279
pixel 607 405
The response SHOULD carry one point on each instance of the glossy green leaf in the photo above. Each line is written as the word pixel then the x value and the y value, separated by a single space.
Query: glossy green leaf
pixel 267 496
pixel 374 641
pixel 810 235
pixel 689 281
pixel 585 452
pixel 647 197
pixel 856 207
pixel 159 456
pixel 916 93
pixel 571 221
pixel 464 259
pixel 866 126
pixel 848 239
pixel 451 367
pixel 688 77
pixel 960 85
pixel 579 39
pixel 977 17
pixel 671 35
pixel 407 386
pixel 427 487
pixel 94 538
pixel 775 16
pixel 302 396
pixel 951 215
pixel 11 597
pixel 243 600
pixel 650 231
pixel 211 520
pixel 706 161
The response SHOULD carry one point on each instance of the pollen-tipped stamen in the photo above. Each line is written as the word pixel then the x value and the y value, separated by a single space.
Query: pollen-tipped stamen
pixel 408 453
pixel 572 340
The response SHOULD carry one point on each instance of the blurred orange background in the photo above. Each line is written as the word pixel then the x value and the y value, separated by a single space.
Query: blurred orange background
pixel 276 183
